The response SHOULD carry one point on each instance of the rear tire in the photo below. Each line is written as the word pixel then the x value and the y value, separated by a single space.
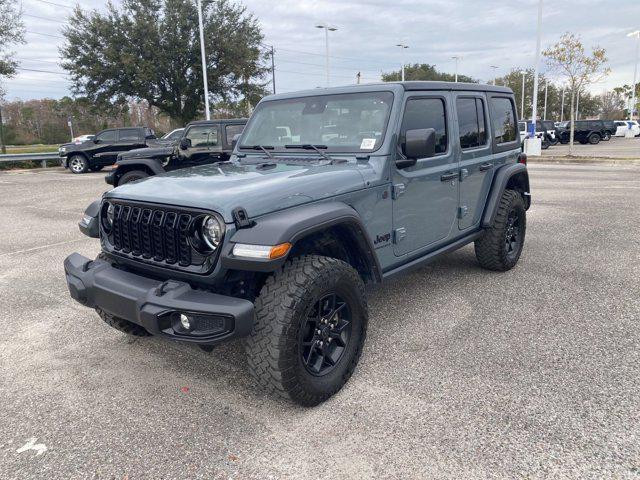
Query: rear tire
pixel 122 325
pixel 78 164
pixel 286 354
pixel 132 176
pixel 500 247
pixel 594 139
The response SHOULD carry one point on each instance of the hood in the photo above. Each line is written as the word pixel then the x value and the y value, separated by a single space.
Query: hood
pixel 155 151
pixel 258 190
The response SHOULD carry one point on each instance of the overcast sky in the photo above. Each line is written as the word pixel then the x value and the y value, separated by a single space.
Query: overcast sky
pixel 483 33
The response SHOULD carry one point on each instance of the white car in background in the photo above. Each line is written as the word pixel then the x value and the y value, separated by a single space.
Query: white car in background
pixel 623 126
pixel 83 138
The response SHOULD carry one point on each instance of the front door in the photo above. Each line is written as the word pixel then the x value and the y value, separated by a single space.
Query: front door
pixel 426 195
pixel 476 160
pixel 205 145
pixel 105 148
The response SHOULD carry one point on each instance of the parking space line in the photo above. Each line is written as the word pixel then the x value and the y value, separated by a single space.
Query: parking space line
pixel 43 246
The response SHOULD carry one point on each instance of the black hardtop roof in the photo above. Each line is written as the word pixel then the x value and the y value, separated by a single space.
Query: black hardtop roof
pixel 217 121
pixel 394 86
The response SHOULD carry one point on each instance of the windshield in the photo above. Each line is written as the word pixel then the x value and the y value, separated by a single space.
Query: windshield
pixel 351 122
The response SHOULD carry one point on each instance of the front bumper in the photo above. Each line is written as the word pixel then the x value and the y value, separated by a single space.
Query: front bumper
pixel 157 305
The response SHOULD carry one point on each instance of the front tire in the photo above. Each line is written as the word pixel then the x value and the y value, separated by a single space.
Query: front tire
pixel 78 164
pixel 311 324
pixel 500 247
pixel 594 139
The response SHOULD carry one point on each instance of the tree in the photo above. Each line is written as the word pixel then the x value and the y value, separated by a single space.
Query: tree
pixel 625 92
pixel 424 71
pixel 150 50
pixel 11 32
pixel 611 105
pixel 568 58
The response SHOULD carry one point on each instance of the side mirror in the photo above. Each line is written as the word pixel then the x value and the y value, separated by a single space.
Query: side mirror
pixel 419 143
pixel 96 140
pixel 150 137
pixel 234 140
pixel 185 143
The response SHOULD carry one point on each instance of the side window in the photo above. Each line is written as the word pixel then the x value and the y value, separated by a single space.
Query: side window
pixel 233 130
pixel 108 136
pixel 203 136
pixel 426 113
pixel 504 120
pixel 129 135
pixel 471 122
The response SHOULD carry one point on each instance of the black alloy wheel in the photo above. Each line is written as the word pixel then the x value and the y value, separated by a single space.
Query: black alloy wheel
pixel 325 334
pixel 513 235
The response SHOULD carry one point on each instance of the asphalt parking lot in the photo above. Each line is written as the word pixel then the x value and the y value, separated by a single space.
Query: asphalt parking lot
pixel 531 373
pixel 617 147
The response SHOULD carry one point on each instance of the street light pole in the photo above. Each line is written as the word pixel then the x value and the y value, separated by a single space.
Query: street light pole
pixel 403 47
pixel 494 67
pixel 273 70
pixel 534 113
pixel 456 58
pixel 635 73
pixel 327 28
pixel 204 62
pixel 524 73
pixel 546 87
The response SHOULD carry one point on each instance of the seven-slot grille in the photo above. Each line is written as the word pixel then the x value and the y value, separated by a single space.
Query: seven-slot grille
pixel 152 233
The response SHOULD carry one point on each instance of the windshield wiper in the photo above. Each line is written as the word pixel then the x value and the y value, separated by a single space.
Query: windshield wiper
pixel 264 148
pixel 308 146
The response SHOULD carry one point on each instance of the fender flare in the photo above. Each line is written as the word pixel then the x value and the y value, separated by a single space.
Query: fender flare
pixel 293 225
pixel 152 164
pixel 516 173
pixel 89 222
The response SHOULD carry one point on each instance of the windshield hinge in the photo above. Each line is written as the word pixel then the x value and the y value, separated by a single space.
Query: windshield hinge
pixel 241 218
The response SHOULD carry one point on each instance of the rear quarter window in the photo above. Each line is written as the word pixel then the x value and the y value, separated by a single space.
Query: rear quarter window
pixel 504 120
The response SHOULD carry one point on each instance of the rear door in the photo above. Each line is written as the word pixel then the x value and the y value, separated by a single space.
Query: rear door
pixel 426 195
pixel 476 160
pixel 130 138
pixel 503 130
pixel 231 131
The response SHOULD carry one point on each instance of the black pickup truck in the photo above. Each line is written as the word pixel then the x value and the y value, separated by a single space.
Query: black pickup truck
pixel 202 142
pixel 104 148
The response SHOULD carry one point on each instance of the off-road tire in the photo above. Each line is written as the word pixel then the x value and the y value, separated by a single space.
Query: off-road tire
pixel 132 176
pixel 288 295
pixel 594 139
pixel 96 168
pixel 78 164
pixel 123 325
pixel 491 250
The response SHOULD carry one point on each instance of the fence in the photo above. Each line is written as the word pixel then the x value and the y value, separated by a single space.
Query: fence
pixel 24 157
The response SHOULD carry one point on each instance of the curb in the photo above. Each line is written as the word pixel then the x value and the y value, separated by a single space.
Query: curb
pixel 585 160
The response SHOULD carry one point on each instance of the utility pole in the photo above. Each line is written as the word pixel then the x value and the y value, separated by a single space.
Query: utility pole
pixel 403 48
pixel 534 114
pixel 273 70
pixel 3 147
pixel 204 62
pixel 635 73
pixel 456 58
pixel 562 106
pixel 494 67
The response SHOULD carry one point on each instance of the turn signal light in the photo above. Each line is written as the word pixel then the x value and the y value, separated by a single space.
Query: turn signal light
pixel 270 252
pixel 522 158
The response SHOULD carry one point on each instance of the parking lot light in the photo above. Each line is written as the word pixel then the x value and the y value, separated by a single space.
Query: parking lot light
pixel 402 47
pixel 327 28
pixel 635 73
pixel 456 58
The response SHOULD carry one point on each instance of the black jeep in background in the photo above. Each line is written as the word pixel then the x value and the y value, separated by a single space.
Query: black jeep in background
pixel 104 148
pixel 202 142
pixel 586 131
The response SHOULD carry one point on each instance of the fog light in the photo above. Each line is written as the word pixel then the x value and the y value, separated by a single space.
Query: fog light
pixel 184 321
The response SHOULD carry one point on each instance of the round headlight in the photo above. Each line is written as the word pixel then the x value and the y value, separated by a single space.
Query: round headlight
pixel 107 216
pixel 212 231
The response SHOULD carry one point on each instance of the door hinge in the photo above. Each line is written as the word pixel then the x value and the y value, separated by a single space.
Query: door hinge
pixel 464 173
pixel 462 211
pixel 399 234
pixel 398 190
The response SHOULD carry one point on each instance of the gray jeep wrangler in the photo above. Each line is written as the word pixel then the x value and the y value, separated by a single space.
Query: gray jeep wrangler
pixel 326 191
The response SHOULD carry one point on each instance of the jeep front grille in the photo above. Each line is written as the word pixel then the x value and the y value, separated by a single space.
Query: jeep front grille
pixel 152 233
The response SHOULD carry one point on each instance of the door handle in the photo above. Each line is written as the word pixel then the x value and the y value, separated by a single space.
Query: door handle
pixel 448 176
pixel 485 166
